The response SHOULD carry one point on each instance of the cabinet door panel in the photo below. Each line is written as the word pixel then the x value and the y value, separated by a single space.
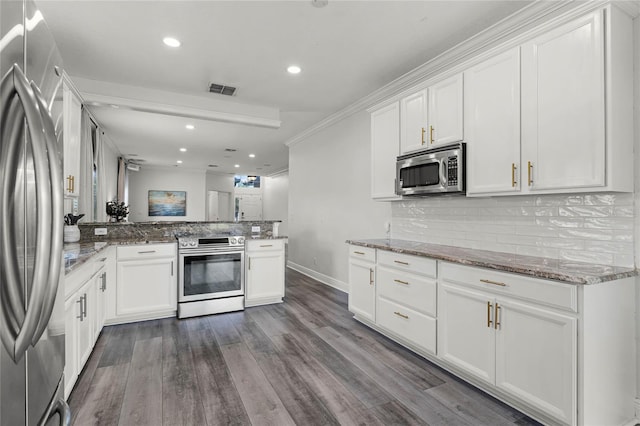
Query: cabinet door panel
pixel 492 124
pixel 72 312
pixel 147 285
pixel 445 111
pixel 362 290
pixel 536 356
pixel 413 119
pixel 385 144
pixel 563 101
pixel 265 276
pixel 464 337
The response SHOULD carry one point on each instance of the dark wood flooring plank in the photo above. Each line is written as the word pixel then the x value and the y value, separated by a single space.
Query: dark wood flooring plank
pixel 255 339
pixel 223 327
pixel 263 405
pixel 181 401
pixel 342 403
pixel 394 413
pixel 148 329
pixel 360 384
pixel 103 401
pixel 86 378
pixel 220 398
pixel 121 341
pixel 142 403
pixel 425 406
pixel 301 402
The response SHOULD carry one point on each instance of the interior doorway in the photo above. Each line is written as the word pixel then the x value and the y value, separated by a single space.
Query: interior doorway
pixel 219 206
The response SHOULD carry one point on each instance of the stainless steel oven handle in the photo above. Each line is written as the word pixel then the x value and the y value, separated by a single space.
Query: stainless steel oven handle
pixel 211 251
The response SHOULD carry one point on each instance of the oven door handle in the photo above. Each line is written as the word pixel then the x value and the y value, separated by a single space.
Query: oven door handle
pixel 197 252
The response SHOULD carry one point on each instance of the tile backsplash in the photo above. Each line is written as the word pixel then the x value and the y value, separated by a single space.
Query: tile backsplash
pixel 595 228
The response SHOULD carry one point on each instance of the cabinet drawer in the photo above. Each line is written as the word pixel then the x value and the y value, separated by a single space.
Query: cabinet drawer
pixel 417 328
pixel 414 291
pixel 550 293
pixel 144 251
pixel 265 245
pixel 364 253
pixel 406 262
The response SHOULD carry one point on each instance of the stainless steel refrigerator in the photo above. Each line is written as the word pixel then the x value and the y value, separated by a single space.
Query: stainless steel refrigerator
pixel 31 220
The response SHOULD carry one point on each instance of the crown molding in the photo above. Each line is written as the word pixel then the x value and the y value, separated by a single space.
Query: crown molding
pixel 510 28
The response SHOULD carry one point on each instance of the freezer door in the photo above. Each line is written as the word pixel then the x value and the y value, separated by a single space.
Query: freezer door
pixel 45 361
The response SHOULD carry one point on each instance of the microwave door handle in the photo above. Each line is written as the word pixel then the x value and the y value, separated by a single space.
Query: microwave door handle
pixel 443 173
pixel 57 200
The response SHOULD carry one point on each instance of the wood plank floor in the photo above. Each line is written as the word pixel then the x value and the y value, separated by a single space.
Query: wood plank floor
pixel 304 362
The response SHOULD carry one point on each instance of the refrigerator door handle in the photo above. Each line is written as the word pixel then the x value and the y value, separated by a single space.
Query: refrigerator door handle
pixel 40 278
pixel 57 406
pixel 56 213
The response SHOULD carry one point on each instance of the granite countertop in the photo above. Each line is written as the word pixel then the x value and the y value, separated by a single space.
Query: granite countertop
pixel 75 254
pixel 539 267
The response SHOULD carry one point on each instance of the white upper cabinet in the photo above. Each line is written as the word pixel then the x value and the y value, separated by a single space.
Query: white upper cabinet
pixel 445 111
pixel 563 103
pixel 432 116
pixel 385 143
pixel 72 112
pixel 413 121
pixel 492 124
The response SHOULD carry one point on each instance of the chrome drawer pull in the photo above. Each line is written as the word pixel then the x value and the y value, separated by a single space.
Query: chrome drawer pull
pixel 401 282
pixel 402 263
pixel 402 315
pixel 358 252
pixel 146 251
pixel 266 245
pixel 494 283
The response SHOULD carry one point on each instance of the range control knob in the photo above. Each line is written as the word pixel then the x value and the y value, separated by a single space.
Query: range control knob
pixel 232 240
pixel 240 240
pixel 192 243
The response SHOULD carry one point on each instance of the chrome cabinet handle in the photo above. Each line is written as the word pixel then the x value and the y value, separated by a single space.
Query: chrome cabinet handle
pixel 401 315
pixel 80 302
pixel 401 263
pixel 370 276
pixel 401 282
pixel 172 268
pixel 266 245
pixel 146 251
pixel 15 85
pixel 104 280
pixel 84 304
pixel 358 252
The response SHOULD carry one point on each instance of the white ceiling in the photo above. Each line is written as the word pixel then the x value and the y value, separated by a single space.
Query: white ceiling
pixel 346 50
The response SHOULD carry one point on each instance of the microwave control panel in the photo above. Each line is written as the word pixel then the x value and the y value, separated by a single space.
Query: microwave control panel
pixel 452 171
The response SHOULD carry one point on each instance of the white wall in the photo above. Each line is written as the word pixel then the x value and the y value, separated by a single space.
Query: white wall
pixel 167 179
pixel 219 182
pixel 329 199
pixel 276 200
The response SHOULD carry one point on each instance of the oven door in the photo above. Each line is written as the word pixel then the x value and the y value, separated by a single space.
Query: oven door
pixel 210 274
pixel 420 175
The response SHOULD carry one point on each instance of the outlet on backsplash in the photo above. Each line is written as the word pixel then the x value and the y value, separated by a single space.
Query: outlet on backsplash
pixel 100 231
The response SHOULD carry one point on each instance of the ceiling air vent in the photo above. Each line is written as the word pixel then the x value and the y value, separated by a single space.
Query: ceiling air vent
pixel 222 89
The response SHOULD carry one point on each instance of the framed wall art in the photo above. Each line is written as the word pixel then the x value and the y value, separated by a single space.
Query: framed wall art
pixel 167 203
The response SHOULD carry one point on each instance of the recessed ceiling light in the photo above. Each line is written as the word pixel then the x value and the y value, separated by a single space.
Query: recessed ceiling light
pixel 190 126
pixel 171 42
pixel 237 165
pixel 179 161
pixel 294 69
pixel 252 156
pixel 183 149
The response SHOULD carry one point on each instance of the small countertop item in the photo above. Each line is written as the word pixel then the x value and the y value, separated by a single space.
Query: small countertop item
pixel 539 267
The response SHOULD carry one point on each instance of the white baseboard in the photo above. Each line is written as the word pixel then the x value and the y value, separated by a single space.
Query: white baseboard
pixel 324 279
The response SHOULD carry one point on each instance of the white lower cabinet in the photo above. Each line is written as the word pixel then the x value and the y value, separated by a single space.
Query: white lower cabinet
pixel 527 351
pixel 362 282
pixel 264 274
pixel 83 316
pixel 558 352
pixel 146 284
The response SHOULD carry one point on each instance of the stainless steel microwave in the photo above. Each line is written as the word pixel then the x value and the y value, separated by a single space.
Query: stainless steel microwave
pixel 438 170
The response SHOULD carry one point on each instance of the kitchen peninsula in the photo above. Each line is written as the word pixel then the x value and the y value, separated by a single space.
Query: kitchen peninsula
pixel 132 272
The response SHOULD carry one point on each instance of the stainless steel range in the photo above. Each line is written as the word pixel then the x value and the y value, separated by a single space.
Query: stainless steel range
pixel 210 275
